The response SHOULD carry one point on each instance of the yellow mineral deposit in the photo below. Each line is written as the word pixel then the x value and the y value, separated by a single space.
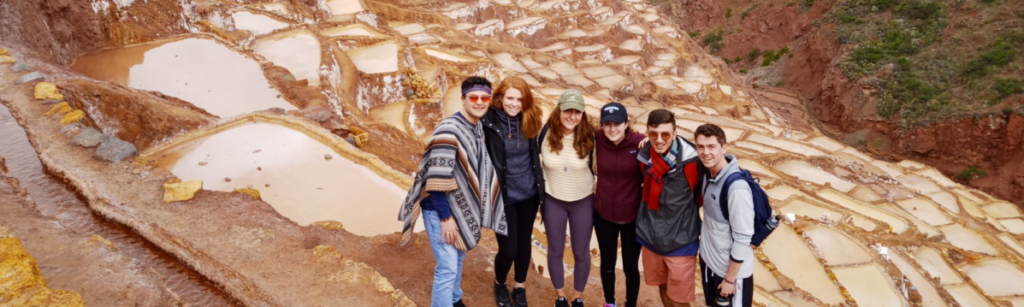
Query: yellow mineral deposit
pixel 181 191
pixel 101 240
pixel 60 108
pixel 254 193
pixel 6 59
pixel 72 117
pixel 21 283
pixel 47 90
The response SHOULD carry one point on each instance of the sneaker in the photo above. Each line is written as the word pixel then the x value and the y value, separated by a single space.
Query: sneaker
pixel 501 296
pixel 519 297
pixel 611 304
pixel 577 302
pixel 561 302
pixel 459 304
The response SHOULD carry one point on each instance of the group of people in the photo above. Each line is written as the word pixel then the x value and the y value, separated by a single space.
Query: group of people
pixel 496 163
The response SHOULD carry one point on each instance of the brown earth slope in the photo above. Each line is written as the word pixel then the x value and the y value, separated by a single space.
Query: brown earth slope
pixel 973 144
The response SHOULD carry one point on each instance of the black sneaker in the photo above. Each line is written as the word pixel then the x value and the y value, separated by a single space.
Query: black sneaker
pixel 519 297
pixel 577 302
pixel 561 302
pixel 459 304
pixel 501 296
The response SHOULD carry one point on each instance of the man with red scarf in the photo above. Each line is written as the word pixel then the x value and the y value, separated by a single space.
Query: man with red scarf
pixel 668 223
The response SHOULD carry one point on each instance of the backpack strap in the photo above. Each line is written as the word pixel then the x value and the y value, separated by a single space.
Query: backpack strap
pixel 723 196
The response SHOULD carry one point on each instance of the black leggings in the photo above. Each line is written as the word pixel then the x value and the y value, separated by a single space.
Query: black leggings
pixel 515 247
pixel 608 235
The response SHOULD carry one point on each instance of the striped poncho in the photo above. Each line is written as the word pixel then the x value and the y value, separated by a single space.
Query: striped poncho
pixel 456 162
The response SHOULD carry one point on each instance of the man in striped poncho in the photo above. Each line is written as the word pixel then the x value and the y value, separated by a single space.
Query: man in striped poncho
pixel 456 190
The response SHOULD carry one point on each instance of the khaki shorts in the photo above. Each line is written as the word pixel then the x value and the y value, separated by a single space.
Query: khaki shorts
pixel 677 272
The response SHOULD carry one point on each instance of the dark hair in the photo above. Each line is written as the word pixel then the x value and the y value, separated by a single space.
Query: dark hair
pixel 474 80
pixel 661 116
pixel 711 130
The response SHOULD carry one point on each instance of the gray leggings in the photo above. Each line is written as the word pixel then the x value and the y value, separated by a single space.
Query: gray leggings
pixel 580 216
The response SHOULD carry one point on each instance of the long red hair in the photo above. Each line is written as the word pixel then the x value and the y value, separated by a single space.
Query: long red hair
pixel 584 134
pixel 531 111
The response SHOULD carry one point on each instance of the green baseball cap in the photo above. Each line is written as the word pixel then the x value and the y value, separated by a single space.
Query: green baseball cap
pixel 571 99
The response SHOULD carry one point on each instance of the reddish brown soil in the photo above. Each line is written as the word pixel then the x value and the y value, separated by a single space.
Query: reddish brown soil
pixel 60 30
pixel 845 108
pixel 138 117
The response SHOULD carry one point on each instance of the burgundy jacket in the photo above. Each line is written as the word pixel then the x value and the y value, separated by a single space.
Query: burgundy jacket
pixel 619 177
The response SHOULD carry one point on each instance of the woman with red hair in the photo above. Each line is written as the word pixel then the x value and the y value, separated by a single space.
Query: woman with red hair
pixel 511 127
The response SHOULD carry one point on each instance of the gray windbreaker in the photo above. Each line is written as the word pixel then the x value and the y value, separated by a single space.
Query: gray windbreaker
pixel 722 239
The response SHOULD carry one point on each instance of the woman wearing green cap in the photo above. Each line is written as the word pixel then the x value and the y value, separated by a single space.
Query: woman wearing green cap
pixel 567 143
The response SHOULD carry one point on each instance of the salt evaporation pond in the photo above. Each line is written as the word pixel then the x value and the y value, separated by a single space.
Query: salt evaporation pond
pixel 997 277
pixel 298 52
pixel 929 295
pixel 933 263
pixel 790 254
pixel 292 174
pixel 200 71
pixel 255 23
pixel 836 248
pixel 376 59
pixel 869 285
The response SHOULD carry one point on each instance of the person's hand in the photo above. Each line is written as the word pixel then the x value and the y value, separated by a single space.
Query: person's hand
pixel 726 289
pixel 644 142
pixel 449 231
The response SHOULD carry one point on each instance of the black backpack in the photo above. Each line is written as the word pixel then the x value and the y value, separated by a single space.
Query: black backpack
pixel 765 219
pixel 590 157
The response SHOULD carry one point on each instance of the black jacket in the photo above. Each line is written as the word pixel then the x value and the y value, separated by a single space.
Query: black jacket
pixel 496 150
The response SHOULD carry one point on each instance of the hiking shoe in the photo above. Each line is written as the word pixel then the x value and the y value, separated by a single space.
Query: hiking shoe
pixel 519 297
pixel 610 305
pixel 459 304
pixel 561 302
pixel 501 296
pixel 577 302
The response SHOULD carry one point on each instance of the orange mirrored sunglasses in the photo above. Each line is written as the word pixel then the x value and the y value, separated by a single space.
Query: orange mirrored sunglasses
pixel 475 99
pixel 654 136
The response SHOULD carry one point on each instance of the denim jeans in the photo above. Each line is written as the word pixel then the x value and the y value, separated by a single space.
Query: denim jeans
pixel 448 270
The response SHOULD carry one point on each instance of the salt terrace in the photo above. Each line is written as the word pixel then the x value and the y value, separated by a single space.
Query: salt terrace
pixel 321 113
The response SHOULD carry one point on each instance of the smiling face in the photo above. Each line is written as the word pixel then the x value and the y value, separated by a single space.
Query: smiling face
pixel 570 119
pixel 615 132
pixel 474 105
pixel 512 102
pixel 711 153
pixel 661 137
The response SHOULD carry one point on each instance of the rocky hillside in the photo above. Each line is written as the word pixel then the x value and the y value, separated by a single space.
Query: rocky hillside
pixel 935 81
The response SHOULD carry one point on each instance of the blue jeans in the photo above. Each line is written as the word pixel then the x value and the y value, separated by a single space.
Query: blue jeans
pixel 448 271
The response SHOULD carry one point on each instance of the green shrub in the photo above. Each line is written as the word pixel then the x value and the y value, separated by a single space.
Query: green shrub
pixel 922 10
pixel 999 55
pixel 743 71
pixel 728 13
pixel 1007 87
pixel 807 5
pixel 770 57
pixel 756 52
pixel 694 34
pixel 971 173
pixel 714 40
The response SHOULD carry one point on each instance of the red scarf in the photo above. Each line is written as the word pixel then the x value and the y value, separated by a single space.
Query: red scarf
pixel 654 180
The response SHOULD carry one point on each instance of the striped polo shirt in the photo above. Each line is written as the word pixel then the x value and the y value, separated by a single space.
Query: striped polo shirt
pixel 567 177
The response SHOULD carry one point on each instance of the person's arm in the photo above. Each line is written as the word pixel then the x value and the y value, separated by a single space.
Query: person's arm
pixel 741 223
pixel 439 203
